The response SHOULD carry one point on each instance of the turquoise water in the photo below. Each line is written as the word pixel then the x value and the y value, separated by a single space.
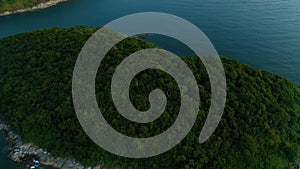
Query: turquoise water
pixel 264 34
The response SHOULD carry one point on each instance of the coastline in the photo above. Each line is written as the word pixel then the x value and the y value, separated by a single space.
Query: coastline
pixel 33 156
pixel 34 8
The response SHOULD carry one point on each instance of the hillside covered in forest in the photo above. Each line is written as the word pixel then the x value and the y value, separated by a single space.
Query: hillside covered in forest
pixel 260 127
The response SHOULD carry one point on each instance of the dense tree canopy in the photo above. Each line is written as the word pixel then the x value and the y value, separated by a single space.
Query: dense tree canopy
pixel 259 129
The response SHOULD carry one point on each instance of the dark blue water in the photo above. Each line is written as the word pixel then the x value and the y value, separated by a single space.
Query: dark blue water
pixel 262 33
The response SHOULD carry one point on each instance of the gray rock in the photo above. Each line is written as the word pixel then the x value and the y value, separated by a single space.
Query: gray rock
pixel 19 152
pixel 59 163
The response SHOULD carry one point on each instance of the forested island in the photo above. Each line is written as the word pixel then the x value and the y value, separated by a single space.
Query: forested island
pixel 259 129
pixel 8 7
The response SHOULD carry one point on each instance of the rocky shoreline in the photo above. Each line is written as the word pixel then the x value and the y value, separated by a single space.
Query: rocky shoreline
pixel 34 8
pixel 33 157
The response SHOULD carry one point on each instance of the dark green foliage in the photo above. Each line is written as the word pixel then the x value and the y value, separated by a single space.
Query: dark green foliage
pixel 259 129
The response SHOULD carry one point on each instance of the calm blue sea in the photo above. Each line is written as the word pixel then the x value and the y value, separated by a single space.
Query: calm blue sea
pixel 262 33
